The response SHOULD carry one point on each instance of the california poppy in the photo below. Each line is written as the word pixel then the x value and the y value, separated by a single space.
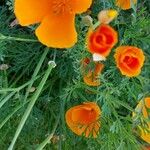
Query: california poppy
pixel 91 72
pixel 56 18
pixel 144 106
pixel 102 40
pixel 106 16
pixel 125 4
pixel 84 119
pixel 129 60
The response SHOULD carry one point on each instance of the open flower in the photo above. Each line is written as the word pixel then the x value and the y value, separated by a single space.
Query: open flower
pixel 125 4
pixel 106 16
pixel 84 119
pixel 56 18
pixel 144 107
pixel 102 40
pixel 91 72
pixel 129 60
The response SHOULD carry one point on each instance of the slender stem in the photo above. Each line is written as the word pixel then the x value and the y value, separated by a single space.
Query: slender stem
pixel 5 79
pixel 11 114
pixel 6 99
pixel 96 25
pixel 30 105
pixel 19 77
pixel 36 72
pixel 47 140
pixel 18 88
pixel 9 38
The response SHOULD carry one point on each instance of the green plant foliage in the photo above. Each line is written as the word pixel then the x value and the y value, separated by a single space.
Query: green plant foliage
pixel 62 86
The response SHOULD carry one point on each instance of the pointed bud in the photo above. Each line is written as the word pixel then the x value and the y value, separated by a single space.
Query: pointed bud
pixel 106 16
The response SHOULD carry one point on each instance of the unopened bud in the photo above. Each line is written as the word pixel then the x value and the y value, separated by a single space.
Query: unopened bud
pixel 106 16
pixel 87 20
pixel 4 67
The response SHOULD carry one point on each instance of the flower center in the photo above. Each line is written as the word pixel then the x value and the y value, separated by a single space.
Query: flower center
pixel 62 7
pixel 131 62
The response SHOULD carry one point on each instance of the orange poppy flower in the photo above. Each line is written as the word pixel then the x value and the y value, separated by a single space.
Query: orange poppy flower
pixel 83 119
pixel 129 60
pixel 91 72
pixel 144 106
pixel 125 4
pixel 56 18
pixel 102 40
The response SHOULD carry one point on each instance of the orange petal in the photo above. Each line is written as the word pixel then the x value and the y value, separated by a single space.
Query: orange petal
pixel 80 6
pixel 31 11
pixel 123 56
pixel 88 79
pixel 57 31
pixel 83 119
pixel 125 4
pixel 145 135
pixel 102 40
pixel 91 77
pixel 141 106
pixel 147 102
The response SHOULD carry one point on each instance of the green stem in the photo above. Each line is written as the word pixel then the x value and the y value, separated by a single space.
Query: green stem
pixel 36 72
pixel 96 25
pixel 6 99
pixel 11 114
pixel 20 76
pixel 18 88
pixel 5 79
pixel 47 140
pixel 31 104
pixel 9 38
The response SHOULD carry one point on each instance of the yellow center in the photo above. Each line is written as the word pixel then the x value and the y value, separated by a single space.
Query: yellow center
pixel 62 7
pixel 112 13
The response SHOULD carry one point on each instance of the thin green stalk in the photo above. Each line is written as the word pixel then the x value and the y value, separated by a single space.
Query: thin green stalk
pixel 19 88
pixel 20 76
pixel 47 140
pixel 96 25
pixel 36 72
pixel 6 99
pixel 9 38
pixel 12 113
pixel 5 79
pixel 31 104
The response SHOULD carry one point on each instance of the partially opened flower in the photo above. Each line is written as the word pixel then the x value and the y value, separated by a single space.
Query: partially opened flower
pixel 125 4
pixel 102 40
pixel 144 107
pixel 56 18
pixel 129 60
pixel 84 119
pixel 91 72
pixel 106 16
